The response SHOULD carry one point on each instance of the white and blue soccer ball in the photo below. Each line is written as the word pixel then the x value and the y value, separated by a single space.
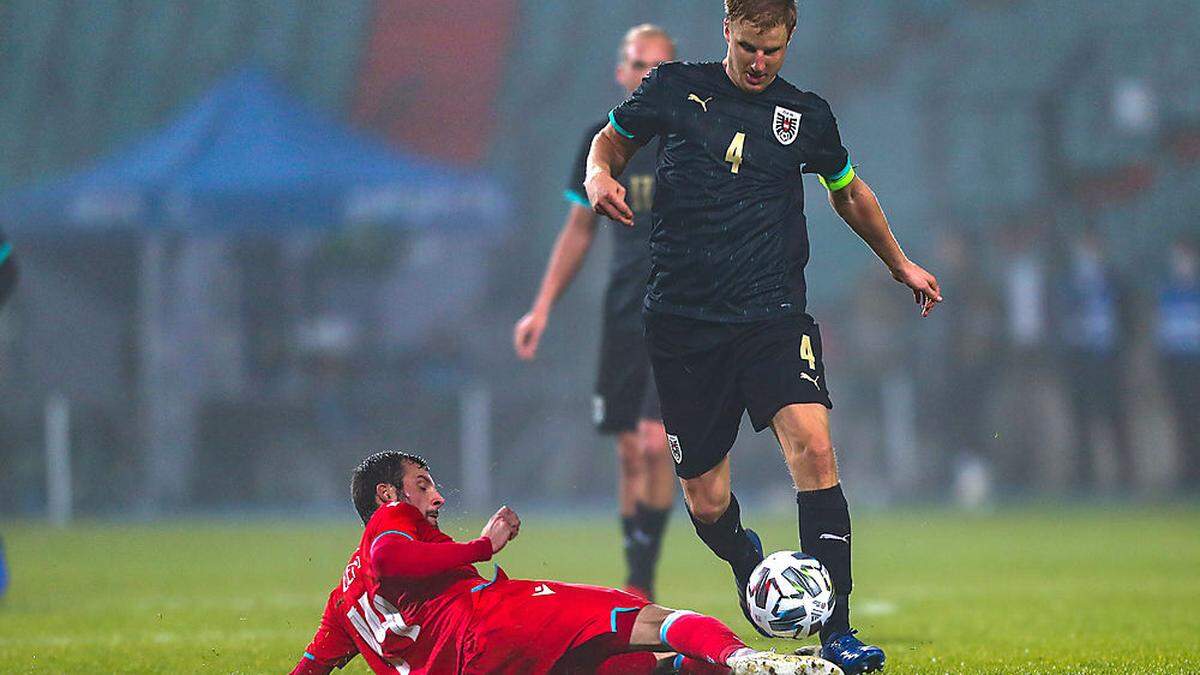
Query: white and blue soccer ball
pixel 790 595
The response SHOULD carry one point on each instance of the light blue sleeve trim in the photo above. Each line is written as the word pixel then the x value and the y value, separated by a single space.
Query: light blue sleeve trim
pixel 678 661
pixel 613 616
pixel 5 251
pixel 841 174
pixel 382 534
pixel 612 119
pixel 662 632
pixel 310 657
pixel 496 575
pixel 575 198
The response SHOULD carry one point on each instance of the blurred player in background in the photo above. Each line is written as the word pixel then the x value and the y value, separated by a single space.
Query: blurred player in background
pixel 410 601
pixel 626 401
pixel 1179 351
pixel 1092 316
pixel 725 313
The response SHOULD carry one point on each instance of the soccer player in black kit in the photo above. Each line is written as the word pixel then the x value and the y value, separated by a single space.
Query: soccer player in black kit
pixel 625 402
pixel 725 319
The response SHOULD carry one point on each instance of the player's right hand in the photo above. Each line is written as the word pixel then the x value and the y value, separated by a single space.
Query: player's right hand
pixel 528 333
pixel 924 285
pixel 502 528
pixel 608 197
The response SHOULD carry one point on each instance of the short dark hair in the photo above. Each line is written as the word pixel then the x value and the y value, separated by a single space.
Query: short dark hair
pixel 763 14
pixel 382 467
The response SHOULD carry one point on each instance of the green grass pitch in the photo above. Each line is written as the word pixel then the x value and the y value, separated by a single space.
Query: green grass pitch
pixel 1023 591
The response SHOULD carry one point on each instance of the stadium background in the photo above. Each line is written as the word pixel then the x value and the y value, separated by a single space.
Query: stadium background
pixel 200 357
pixel 260 239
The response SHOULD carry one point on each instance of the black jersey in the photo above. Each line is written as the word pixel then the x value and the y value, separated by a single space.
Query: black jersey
pixel 728 239
pixel 629 266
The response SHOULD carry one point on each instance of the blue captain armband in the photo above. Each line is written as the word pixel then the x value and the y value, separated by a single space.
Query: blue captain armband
pixel 612 119
pixel 838 180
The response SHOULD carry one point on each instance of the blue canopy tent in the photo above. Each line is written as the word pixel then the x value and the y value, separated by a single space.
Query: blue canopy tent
pixel 245 158
pixel 248 156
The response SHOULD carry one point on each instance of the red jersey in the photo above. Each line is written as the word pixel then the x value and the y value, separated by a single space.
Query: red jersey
pixel 400 625
pixel 411 603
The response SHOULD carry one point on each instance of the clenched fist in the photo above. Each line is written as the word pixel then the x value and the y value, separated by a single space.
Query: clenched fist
pixel 502 528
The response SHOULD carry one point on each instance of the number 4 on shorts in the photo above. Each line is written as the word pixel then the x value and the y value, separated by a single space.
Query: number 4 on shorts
pixel 806 352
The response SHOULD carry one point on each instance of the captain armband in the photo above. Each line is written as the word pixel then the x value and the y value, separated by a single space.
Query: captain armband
pixel 840 179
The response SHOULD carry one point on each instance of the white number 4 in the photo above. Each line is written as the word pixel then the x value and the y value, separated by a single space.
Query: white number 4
pixel 374 623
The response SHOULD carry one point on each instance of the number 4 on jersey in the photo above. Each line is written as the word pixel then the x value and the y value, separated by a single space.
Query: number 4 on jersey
pixel 734 154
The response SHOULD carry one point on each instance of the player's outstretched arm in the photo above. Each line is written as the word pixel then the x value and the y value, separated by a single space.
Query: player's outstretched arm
pixel 570 249
pixel 857 205
pixel 397 556
pixel 610 153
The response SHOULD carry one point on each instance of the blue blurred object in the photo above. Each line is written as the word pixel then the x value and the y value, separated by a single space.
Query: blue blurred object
pixel 248 156
pixel 3 570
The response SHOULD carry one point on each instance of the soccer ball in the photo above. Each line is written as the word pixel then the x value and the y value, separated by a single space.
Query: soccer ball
pixel 790 595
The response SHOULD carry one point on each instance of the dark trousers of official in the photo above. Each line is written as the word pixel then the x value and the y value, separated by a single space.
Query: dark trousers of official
pixel 1182 377
pixel 1096 385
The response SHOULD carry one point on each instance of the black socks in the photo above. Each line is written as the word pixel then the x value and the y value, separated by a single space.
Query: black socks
pixel 643 541
pixel 729 541
pixel 825 535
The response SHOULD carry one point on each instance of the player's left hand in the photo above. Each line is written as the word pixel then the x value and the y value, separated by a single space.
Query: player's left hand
pixel 502 528
pixel 513 519
pixel 923 284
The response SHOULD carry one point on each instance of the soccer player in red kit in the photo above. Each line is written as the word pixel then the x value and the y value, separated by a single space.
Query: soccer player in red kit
pixel 411 602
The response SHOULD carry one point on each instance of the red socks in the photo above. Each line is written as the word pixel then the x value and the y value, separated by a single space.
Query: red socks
pixel 699 637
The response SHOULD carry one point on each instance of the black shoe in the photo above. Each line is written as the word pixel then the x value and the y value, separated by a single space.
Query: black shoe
pixel 743 582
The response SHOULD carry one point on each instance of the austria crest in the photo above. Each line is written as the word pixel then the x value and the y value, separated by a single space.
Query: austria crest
pixel 786 125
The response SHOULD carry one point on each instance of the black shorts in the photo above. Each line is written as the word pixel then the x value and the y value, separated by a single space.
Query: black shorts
pixel 709 374
pixel 625 391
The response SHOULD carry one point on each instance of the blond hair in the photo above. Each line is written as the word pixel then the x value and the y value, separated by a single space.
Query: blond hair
pixel 642 31
pixel 763 14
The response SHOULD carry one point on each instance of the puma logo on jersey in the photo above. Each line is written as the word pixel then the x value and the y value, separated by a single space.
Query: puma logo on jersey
pixel 826 535
pixel 542 589
pixel 810 378
pixel 703 103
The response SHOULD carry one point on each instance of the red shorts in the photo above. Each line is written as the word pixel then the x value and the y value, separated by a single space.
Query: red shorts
pixel 527 627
